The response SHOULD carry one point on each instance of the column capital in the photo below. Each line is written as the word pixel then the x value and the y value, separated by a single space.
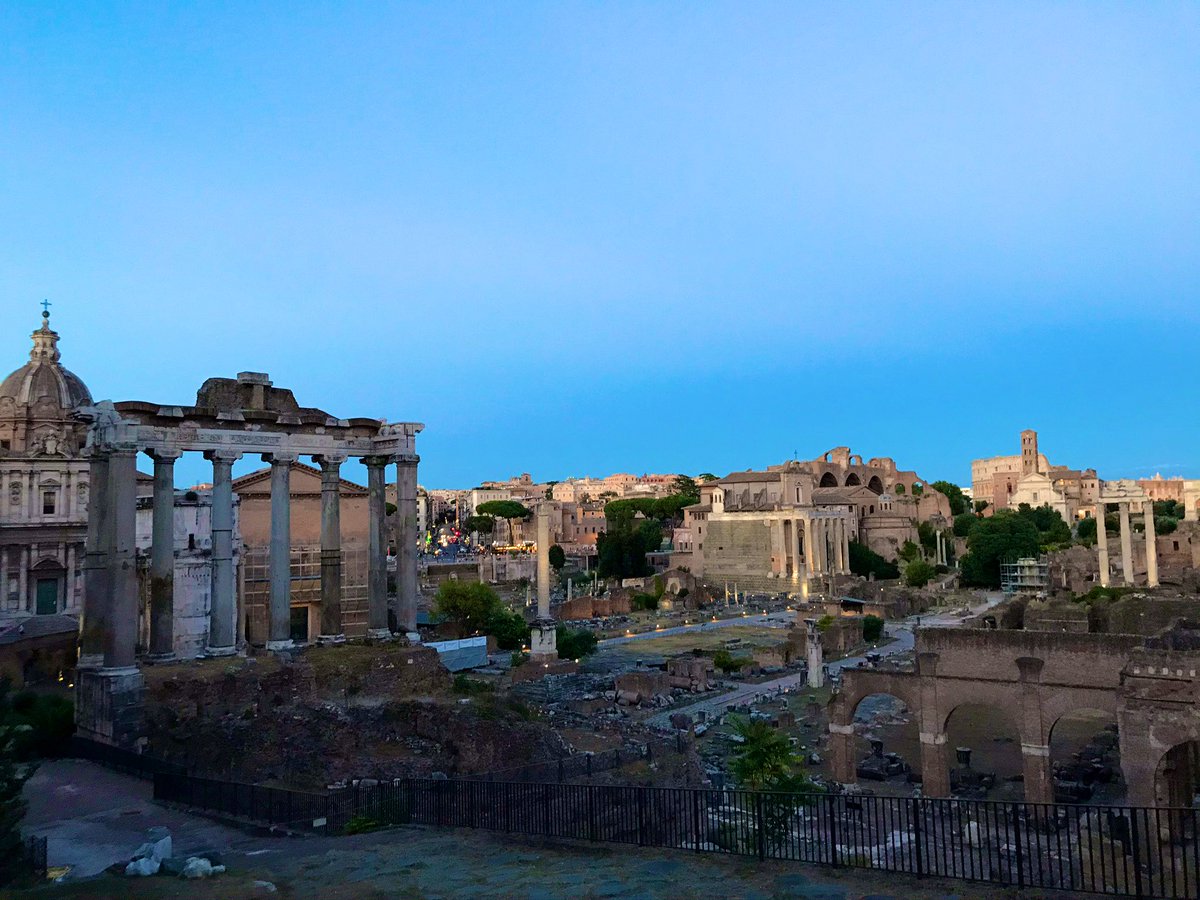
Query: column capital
pixel 330 460
pixel 222 456
pixel 376 462
pixel 280 459
pixel 407 459
pixel 159 454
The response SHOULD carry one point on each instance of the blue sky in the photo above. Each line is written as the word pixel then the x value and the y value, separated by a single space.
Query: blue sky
pixel 583 238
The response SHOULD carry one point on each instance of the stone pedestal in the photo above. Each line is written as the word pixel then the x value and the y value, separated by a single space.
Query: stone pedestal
pixel 543 641
pixel 109 705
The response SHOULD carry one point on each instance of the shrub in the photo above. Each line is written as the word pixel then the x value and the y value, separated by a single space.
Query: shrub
pixel 824 622
pixel 362 824
pixel 574 643
pixel 728 663
pixel 872 628
pixel 518 658
pixel 643 602
pixel 469 686
pixel 918 573
pixel 865 562
pixel 51 721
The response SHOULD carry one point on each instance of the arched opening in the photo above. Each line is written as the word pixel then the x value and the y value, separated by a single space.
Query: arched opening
pixel 852 479
pixel 887 745
pixel 1085 758
pixel 1177 778
pixel 983 744
pixel 898 489
pixel 875 484
pixel 829 480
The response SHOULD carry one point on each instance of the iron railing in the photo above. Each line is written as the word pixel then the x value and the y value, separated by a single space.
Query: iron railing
pixel 130 762
pixel 1118 851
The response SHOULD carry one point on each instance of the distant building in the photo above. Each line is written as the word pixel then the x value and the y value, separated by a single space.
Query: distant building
pixel 796 520
pixel 43 485
pixel 1028 477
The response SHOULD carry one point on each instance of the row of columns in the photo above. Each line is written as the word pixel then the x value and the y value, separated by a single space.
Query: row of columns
pixel 109 623
pixel 1147 510
pixel 822 541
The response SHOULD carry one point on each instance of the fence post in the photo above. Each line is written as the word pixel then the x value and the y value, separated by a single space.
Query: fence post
pixel 831 815
pixel 760 826
pixel 696 817
pixel 1137 854
pixel 916 817
pixel 589 766
pixel 1016 817
pixel 641 816
pixel 546 807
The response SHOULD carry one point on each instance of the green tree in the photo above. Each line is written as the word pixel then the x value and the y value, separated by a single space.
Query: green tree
pixel 469 606
pixel 898 490
pixel 964 523
pixel 865 562
pixel 574 643
pixel 707 476
pixel 918 573
pixel 1165 524
pixel 479 525
pixel 1005 537
pixel 958 502
pixel 728 663
pixel 558 557
pixel 12 779
pixel 504 509
pixel 909 551
pixel 621 551
pixel 1085 531
pixel 927 537
pixel 765 759
pixel 872 629
pixel 686 487
pixel 1052 529
pixel 981 505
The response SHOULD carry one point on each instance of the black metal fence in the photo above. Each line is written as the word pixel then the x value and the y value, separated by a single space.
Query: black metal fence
pixel 128 761
pixel 584 765
pixel 300 810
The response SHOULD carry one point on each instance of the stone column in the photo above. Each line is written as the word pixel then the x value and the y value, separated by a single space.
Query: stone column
pixel 935 765
pixel 162 556
pixel 823 546
pixel 23 588
pixel 796 549
pixel 840 532
pixel 406 543
pixel 1039 782
pixel 1126 545
pixel 778 553
pixel 95 565
pixel 543 637
pixel 810 547
pixel 222 627
pixel 377 618
pixel 120 632
pixel 280 556
pixel 543 562
pixel 1102 544
pixel 1151 545
pixel 331 548
pixel 841 753
pixel 72 572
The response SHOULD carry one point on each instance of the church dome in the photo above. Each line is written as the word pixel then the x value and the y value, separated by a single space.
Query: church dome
pixel 43 378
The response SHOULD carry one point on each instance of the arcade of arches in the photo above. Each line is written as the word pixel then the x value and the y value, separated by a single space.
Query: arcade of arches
pixel 1148 686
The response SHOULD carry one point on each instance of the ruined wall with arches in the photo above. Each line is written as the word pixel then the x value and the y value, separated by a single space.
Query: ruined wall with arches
pixel 1038 678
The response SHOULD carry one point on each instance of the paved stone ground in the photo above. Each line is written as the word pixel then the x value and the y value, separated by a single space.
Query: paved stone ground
pixel 94 817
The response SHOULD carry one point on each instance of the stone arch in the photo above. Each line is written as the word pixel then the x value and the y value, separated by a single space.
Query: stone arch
pixel 828 480
pixel 1085 756
pixel 852 480
pixel 1177 776
pixel 875 484
pixel 990 727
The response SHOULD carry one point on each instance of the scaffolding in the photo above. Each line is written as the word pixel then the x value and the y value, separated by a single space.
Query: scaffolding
pixel 1026 574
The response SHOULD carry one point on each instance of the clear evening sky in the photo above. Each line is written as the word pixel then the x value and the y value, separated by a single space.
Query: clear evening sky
pixel 583 238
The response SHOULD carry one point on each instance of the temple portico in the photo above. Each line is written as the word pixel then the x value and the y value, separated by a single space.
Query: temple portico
pixel 1129 499
pixel 231 419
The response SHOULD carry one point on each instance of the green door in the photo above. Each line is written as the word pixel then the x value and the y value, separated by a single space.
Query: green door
pixel 299 624
pixel 47 596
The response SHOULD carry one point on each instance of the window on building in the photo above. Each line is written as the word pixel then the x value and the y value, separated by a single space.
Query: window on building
pixel 48 498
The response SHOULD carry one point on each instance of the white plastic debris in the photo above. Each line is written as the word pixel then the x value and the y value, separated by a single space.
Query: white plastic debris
pixel 197 867
pixel 143 866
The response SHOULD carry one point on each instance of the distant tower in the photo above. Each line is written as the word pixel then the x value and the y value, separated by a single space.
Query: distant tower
pixel 1029 452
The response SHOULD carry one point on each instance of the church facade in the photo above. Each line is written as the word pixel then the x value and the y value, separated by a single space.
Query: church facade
pixel 43 485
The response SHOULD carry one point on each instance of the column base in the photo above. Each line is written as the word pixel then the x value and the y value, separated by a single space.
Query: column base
pixel 276 646
pixel 90 661
pixel 331 639
pixel 543 641
pixel 215 652
pixel 379 634
pixel 109 705
pixel 159 658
